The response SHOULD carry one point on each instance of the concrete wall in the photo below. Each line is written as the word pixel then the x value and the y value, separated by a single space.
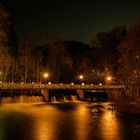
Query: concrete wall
pixel 45 94
pixel 80 93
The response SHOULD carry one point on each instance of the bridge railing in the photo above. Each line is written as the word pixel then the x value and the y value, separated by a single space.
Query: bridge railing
pixel 57 86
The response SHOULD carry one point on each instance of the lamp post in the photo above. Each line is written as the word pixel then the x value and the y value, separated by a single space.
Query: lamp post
pixel 46 75
pixel 81 77
pixel 108 79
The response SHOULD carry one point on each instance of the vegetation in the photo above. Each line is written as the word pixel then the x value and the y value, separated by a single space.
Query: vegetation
pixel 129 60
pixel 5 57
pixel 108 54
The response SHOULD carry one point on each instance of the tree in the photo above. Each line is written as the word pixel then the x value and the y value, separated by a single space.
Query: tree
pixel 5 62
pixel 38 68
pixel 80 54
pixel 58 59
pixel 27 61
pixel 107 44
pixel 5 57
pixel 129 57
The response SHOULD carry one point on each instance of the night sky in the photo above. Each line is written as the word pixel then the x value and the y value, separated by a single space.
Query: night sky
pixel 73 19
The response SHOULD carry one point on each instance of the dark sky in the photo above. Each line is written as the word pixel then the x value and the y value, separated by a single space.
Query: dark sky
pixel 73 19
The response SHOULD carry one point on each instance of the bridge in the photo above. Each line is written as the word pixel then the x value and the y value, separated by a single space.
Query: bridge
pixel 32 86
pixel 45 89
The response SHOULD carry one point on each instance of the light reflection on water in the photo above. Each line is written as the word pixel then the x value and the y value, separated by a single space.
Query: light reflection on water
pixel 21 99
pixel 109 124
pixel 60 121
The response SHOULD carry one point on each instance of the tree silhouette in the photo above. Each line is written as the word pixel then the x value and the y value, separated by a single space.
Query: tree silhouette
pixel 5 57
pixel 58 60
pixel 27 61
pixel 129 59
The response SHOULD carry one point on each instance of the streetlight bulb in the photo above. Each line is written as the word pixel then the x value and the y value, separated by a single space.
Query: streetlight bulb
pixel 49 83
pixel 46 75
pixel 72 83
pixel 81 77
pixel 109 78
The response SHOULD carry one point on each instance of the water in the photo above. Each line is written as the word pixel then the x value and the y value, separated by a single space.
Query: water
pixel 62 121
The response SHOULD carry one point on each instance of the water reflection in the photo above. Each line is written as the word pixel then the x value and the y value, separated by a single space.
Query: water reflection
pixel 16 126
pixel 82 121
pixel 44 126
pixel 60 121
pixel 109 127
pixel 21 99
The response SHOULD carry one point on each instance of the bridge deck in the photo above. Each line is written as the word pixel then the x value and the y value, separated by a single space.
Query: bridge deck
pixel 18 86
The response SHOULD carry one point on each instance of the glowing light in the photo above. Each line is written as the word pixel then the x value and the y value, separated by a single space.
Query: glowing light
pixel 109 78
pixel 81 77
pixel 100 84
pixel 49 83
pixel 46 75
pixel 82 84
pixel 72 83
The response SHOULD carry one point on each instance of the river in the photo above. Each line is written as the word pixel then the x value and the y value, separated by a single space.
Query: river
pixel 62 121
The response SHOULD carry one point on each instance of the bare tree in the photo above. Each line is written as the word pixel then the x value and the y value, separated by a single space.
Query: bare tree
pixel 5 57
pixel 38 65
pixel 27 61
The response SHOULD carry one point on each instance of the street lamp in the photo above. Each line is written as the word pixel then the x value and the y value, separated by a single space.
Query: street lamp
pixel 49 83
pixel 81 77
pixel 46 75
pixel 108 79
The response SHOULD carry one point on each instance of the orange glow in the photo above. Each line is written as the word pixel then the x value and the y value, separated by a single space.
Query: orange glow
pixel 83 84
pixel 100 84
pixel 109 78
pixel 81 77
pixel 46 75
pixel 49 83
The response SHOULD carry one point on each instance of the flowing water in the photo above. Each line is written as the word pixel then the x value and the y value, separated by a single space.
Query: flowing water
pixel 35 120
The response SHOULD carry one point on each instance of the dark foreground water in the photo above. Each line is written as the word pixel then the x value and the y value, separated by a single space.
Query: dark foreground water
pixel 62 121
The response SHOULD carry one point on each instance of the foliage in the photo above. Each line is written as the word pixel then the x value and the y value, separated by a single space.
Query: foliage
pixel 129 60
pixel 5 57
pixel 65 60
pixel 58 60
pixel 27 61
pixel 129 52
pixel 107 43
